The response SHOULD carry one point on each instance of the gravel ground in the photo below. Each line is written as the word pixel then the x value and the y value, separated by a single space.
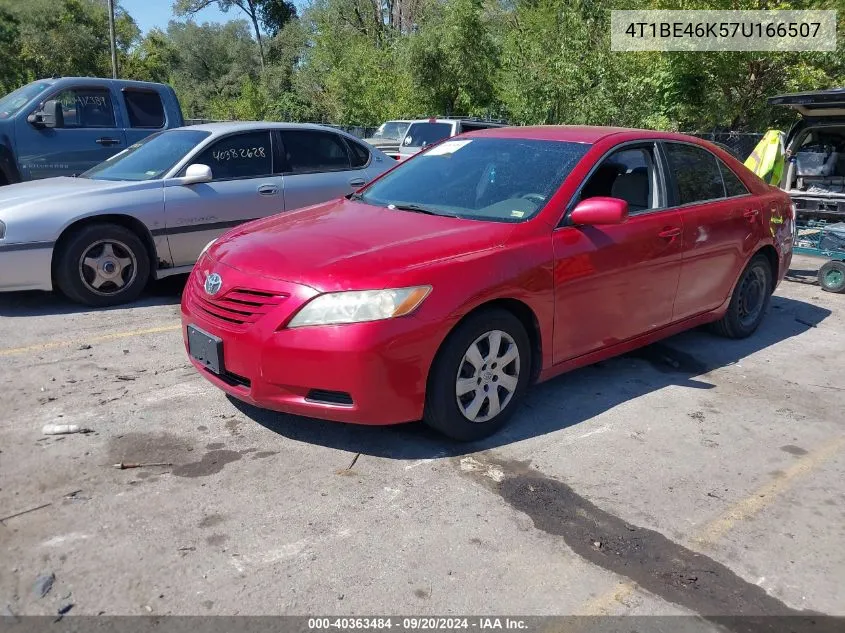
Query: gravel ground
pixel 699 475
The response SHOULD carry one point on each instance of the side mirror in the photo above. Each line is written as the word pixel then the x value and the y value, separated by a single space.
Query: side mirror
pixel 196 174
pixel 50 116
pixel 599 210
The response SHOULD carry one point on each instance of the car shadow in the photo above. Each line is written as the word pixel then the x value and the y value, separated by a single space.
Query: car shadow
pixel 682 360
pixel 167 291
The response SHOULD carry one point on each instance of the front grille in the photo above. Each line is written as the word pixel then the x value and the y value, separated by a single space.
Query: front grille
pixel 329 397
pixel 237 306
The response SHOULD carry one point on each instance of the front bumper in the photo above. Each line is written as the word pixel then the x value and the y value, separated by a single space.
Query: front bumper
pixel 365 373
pixel 25 267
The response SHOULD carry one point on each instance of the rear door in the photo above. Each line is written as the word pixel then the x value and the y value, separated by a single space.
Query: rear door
pixel 144 113
pixel 92 132
pixel 721 222
pixel 244 187
pixel 617 282
pixel 318 166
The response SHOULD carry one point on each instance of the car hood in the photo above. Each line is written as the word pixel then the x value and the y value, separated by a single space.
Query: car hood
pixel 42 192
pixel 343 245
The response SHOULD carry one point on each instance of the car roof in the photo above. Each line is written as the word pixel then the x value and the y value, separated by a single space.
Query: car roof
pixel 225 127
pixel 577 133
pixel 103 81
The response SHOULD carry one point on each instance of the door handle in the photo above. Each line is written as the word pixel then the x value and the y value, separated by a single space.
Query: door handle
pixel 751 214
pixel 357 182
pixel 107 141
pixel 670 232
pixel 268 190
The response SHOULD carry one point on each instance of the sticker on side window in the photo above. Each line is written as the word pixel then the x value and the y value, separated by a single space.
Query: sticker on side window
pixel 447 147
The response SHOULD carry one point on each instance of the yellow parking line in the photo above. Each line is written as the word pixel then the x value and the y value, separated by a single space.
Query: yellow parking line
pixel 743 510
pixel 41 347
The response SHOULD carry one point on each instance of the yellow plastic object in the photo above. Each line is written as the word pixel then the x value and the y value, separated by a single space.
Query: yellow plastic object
pixel 767 159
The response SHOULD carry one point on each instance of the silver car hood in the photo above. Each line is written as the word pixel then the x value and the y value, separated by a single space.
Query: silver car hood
pixel 15 198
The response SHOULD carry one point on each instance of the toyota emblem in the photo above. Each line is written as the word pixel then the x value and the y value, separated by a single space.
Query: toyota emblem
pixel 213 283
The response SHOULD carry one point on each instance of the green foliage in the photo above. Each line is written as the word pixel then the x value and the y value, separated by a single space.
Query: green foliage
pixel 364 61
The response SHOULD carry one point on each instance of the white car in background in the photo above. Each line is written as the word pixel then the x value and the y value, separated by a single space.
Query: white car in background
pixel 148 212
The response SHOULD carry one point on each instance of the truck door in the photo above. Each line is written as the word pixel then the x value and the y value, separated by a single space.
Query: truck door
pixel 91 133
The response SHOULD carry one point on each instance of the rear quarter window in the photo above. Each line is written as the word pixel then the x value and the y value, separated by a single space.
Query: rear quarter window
pixel 145 108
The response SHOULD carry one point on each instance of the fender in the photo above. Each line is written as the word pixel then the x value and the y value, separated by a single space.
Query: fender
pixel 9 173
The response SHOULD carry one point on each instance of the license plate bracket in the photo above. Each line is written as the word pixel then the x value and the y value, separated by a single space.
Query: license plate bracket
pixel 206 349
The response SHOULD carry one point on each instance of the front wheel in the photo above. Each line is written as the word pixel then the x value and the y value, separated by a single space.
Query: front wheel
pixel 832 276
pixel 480 375
pixel 102 265
pixel 749 301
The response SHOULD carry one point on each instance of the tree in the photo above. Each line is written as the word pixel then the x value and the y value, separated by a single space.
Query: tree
pixel 212 61
pixel 154 59
pixel 273 14
pixel 12 72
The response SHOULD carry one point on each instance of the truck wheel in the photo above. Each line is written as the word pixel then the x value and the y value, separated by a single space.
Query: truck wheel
pixel 749 301
pixel 102 265
pixel 832 276
pixel 479 376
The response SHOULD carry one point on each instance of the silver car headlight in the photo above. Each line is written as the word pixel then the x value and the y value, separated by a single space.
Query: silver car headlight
pixel 359 306
pixel 2 230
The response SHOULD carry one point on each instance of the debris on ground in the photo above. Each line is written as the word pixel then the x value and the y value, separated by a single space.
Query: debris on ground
pixel 64 429
pixel 124 466
pixel 84 346
pixel 63 610
pixel 17 514
pixel 43 584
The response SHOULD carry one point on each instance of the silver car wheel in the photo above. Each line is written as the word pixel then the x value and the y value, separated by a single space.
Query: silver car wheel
pixel 487 376
pixel 106 267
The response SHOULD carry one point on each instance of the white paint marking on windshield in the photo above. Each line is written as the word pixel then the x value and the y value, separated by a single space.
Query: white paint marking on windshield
pixel 449 147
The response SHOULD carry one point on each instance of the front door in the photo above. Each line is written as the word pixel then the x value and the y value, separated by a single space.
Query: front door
pixel 318 166
pixel 617 282
pixel 244 187
pixel 720 217
pixel 90 134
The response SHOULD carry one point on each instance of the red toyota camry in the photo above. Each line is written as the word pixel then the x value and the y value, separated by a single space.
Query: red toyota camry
pixel 493 260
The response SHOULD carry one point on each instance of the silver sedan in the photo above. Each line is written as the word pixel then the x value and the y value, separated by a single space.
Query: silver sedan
pixel 149 211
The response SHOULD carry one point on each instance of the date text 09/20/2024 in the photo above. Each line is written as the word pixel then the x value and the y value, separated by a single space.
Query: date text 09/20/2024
pixel 416 623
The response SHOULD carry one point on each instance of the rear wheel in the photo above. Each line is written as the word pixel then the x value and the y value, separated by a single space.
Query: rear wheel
pixel 749 301
pixel 480 375
pixel 102 265
pixel 832 276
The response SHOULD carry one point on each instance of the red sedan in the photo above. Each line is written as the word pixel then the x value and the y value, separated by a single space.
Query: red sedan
pixel 489 262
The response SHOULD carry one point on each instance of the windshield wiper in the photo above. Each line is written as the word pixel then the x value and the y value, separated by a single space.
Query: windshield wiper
pixel 416 208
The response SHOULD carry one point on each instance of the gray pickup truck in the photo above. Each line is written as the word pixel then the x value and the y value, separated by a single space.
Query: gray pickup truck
pixel 64 126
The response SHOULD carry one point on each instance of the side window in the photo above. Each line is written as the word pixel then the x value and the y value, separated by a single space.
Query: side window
pixel 629 174
pixel 145 108
pixel 733 185
pixel 86 107
pixel 247 155
pixel 308 151
pixel 360 155
pixel 696 173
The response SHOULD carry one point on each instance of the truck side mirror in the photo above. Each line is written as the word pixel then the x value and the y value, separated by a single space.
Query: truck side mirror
pixel 50 115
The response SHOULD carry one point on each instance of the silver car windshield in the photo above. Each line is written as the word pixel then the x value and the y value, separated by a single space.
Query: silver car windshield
pixel 149 159
pixel 392 130
pixel 499 179
pixel 14 101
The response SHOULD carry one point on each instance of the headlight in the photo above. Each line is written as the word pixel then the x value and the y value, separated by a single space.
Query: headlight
pixel 206 247
pixel 2 230
pixel 360 306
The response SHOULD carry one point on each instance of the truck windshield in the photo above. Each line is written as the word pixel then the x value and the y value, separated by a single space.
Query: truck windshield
pixel 423 134
pixel 149 159
pixel 11 104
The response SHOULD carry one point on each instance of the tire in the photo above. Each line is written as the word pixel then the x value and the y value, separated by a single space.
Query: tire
pixel 753 287
pixel 123 265
pixel 445 410
pixel 832 276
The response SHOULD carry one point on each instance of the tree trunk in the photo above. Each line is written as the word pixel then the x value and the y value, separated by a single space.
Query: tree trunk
pixel 258 36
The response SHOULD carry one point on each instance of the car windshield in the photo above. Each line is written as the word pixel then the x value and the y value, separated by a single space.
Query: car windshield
pixel 14 101
pixel 425 133
pixel 148 159
pixel 500 179
pixel 392 130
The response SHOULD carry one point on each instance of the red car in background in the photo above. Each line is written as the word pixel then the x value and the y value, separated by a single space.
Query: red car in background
pixel 491 261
